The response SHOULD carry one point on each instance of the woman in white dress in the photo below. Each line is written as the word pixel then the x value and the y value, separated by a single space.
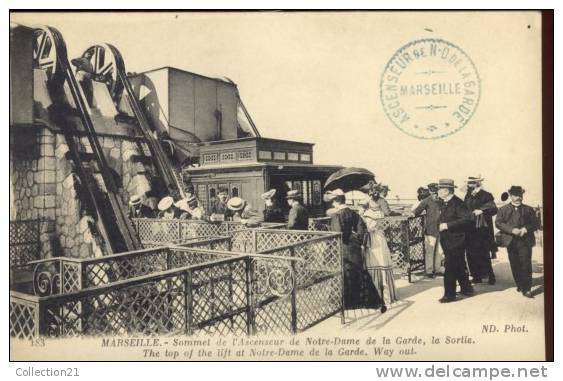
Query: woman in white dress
pixel 377 255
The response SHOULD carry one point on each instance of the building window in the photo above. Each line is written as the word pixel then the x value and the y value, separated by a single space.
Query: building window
pixel 305 157
pixel 293 156
pixel 317 191
pixel 202 194
pixel 279 155
pixel 265 155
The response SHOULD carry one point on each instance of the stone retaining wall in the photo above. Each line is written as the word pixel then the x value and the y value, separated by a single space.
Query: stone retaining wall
pixel 45 186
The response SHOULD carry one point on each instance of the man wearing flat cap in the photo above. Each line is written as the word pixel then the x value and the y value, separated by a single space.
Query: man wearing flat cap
pixel 272 212
pixel 454 221
pixel 480 237
pixel 298 218
pixel 517 223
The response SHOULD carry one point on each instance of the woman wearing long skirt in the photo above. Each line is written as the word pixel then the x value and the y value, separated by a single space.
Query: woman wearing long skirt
pixel 359 290
pixel 378 257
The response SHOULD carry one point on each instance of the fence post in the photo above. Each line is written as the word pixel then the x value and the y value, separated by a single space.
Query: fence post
pixel 179 236
pixel 254 241
pixel 342 284
pixel 406 246
pixel 293 293
pixel 250 312
pixel 40 316
pixel 188 300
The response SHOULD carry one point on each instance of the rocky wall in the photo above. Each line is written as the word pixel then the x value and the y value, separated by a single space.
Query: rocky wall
pixel 46 186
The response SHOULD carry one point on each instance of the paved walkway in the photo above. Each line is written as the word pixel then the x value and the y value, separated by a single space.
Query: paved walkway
pixel 519 320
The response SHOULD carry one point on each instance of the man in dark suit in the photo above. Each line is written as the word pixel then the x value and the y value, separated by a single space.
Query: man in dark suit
pixel 272 212
pixel 454 221
pixel 138 210
pixel 480 236
pixel 298 218
pixel 517 223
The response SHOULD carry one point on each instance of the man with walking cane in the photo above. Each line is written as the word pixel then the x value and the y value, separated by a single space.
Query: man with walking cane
pixel 430 206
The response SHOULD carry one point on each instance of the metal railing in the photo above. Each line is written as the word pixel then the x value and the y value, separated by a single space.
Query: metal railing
pixel 25 244
pixel 405 238
pixel 62 275
pixel 294 283
pixel 152 231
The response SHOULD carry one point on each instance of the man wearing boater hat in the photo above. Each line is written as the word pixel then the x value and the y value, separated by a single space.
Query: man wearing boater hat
pixel 137 209
pixel 454 221
pixel 272 212
pixel 480 236
pixel 517 223
pixel 298 218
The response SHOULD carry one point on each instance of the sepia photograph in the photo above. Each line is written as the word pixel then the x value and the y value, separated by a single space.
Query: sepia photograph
pixel 287 186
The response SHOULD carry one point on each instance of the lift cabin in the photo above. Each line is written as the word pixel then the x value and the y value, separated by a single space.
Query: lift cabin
pixel 207 118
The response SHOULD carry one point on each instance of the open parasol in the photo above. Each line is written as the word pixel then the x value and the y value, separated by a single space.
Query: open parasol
pixel 348 179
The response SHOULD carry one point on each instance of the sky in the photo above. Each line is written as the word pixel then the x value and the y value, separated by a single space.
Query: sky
pixel 314 77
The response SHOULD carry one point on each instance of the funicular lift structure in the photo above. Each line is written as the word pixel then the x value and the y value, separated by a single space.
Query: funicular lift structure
pixel 111 215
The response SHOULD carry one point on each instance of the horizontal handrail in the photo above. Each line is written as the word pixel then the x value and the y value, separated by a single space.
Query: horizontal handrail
pixel 24 296
pixel 155 277
pixel 241 254
pixel 302 243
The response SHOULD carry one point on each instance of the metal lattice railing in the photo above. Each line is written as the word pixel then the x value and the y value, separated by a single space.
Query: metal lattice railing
pixel 405 238
pixel 25 244
pixel 192 282
pixel 24 315
pixel 65 275
pixel 317 275
pixel 191 290
pixel 216 297
pixel 165 231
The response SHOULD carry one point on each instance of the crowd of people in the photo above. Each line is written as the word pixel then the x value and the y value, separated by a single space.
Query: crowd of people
pixel 222 208
pixel 459 240
pixel 459 234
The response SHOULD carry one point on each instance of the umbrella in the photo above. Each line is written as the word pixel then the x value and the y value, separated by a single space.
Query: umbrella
pixel 348 179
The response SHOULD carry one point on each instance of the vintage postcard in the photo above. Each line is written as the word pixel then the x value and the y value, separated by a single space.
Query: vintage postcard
pixel 276 186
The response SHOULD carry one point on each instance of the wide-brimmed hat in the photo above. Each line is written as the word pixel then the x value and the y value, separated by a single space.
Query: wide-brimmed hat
pixel 474 179
pixel 236 203
pixel 446 183
pixel 135 200
pixel 432 187
pixel 269 194
pixel 331 195
pixel 516 190
pixel 293 195
pixel 165 203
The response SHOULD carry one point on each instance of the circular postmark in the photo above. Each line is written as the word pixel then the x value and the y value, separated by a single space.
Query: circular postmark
pixel 430 88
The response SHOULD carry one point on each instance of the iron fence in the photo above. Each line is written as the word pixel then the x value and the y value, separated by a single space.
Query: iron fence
pixel 293 284
pixel 240 294
pixel 405 238
pixel 25 244
pixel 64 275
pixel 153 231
